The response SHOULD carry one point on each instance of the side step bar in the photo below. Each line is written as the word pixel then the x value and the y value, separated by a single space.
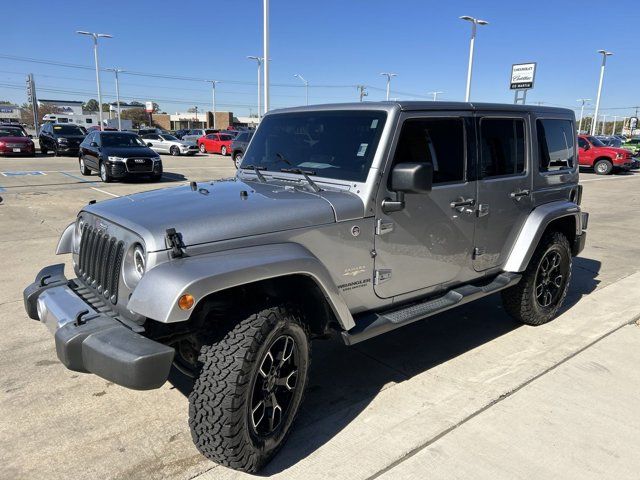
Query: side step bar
pixel 378 323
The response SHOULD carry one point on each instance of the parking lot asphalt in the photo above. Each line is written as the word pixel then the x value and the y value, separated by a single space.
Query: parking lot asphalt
pixel 466 393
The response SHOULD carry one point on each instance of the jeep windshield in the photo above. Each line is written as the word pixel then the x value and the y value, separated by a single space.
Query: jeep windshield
pixel 332 144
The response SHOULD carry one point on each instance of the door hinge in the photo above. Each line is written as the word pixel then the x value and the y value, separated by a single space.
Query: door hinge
pixel 478 251
pixel 383 227
pixel 381 276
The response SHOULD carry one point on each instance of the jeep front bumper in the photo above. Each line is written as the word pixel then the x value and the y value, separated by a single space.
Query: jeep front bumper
pixel 93 342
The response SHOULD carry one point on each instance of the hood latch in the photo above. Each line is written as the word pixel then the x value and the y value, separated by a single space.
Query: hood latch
pixel 175 243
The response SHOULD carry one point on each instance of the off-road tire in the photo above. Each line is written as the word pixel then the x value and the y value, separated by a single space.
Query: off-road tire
pixel 520 300
pixel 222 396
pixel 603 167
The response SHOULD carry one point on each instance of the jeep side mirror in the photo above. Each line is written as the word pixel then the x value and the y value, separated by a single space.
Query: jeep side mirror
pixel 408 178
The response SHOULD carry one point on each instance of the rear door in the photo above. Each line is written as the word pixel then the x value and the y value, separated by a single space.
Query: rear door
pixel 504 185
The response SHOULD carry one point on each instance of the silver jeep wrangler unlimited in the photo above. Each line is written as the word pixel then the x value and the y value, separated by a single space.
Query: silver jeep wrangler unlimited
pixel 353 218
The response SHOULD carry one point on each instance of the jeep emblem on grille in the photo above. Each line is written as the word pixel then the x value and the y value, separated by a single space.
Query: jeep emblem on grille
pixel 101 226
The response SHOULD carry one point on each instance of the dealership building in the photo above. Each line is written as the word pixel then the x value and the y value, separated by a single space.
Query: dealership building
pixel 10 114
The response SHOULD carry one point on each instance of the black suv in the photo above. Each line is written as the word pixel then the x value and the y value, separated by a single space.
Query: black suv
pixel 61 139
pixel 116 155
pixel 239 145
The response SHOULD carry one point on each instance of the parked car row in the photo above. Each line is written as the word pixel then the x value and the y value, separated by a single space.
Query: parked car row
pixel 604 160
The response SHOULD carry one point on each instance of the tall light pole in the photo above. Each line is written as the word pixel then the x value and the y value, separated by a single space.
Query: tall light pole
pixel 474 24
pixel 604 121
pixel 259 60
pixel 583 102
pixel 615 120
pixel 389 76
pixel 265 55
pixel 213 98
pixel 306 86
pixel 435 95
pixel 117 71
pixel 362 91
pixel 95 37
pixel 604 54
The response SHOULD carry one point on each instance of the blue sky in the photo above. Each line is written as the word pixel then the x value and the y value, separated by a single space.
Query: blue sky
pixel 334 44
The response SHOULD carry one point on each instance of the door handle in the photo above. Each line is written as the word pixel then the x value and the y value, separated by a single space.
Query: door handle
pixel 463 202
pixel 519 194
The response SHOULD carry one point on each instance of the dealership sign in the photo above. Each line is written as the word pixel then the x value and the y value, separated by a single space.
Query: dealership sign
pixel 149 107
pixel 522 76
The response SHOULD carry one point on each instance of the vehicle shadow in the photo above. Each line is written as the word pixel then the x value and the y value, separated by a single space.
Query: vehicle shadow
pixel 336 395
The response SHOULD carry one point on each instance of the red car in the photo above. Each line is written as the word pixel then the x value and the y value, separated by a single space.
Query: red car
pixel 604 160
pixel 216 143
pixel 13 141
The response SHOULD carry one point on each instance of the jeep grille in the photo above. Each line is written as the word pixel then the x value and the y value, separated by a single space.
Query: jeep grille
pixel 100 261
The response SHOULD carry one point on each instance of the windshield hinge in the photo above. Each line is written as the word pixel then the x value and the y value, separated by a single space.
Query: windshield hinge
pixel 381 276
pixel 383 227
pixel 175 243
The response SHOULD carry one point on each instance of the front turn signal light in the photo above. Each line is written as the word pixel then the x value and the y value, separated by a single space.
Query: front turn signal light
pixel 186 302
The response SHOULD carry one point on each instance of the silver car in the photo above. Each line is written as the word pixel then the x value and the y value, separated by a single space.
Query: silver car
pixel 164 143
pixel 195 133
pixel 353 219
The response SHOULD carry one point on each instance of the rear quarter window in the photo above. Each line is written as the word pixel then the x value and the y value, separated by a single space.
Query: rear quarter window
pixel 556 145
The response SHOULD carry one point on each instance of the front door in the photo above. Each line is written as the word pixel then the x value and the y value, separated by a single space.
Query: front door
pixel 428 244
pixel 504 186
pixel 585 153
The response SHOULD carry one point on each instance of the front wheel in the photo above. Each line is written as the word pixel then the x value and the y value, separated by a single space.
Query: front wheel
pixel 540 293
pixel 105 176
pixel 237 159
pixel 174 151
pixel 603 167
pixel 249 388
pixel 223 151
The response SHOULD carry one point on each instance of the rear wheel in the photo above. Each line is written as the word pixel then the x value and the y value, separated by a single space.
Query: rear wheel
pixel 248 389
pixel 540 293
pixel 83 168
pixel 203 149
pixel 175 151
pixel 223 150
pixel 603 167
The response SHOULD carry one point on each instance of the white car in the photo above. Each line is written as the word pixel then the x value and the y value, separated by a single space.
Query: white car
pixel 164 143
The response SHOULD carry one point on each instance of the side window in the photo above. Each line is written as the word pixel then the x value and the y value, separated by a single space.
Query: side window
pixel 439 141
pixel 555 144
pixel 211 136
pixel 502 147
pixel 582 143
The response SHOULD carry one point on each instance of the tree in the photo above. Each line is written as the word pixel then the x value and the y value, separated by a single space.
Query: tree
pixel 191 110
pixel 138 116
pixel 5 102
pixel 91 105
pixel 26 112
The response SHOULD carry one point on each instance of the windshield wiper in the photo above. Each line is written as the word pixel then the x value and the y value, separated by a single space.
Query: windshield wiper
pixel 305 173
pixel 256 169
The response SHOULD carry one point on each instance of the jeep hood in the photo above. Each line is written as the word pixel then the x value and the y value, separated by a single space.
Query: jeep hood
pixel 223 210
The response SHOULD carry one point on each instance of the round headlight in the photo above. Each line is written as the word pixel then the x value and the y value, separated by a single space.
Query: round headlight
pixel 139 262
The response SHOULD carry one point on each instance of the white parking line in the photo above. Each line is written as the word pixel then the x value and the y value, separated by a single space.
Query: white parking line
pixel 104 191
pixel 625 177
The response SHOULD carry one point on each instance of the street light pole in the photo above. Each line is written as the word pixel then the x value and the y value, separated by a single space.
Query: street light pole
pixel 604 121
pixel 582 101
pixel 265 55
pixel 604 54
pixel 213 99
pixel 435 95
pixel 389 76
pixel 117 71
pixel 95 37
pixel 306 86
pixel 259 60
pixel 474 24
pixel 615 120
